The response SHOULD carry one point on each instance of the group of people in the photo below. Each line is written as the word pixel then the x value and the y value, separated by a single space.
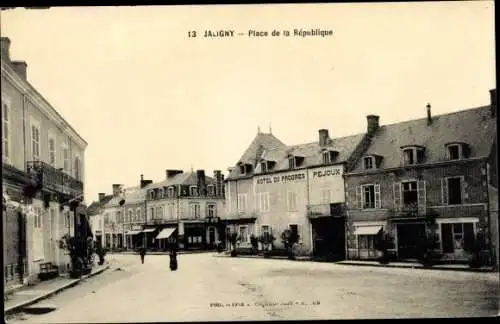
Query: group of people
pixel 172 255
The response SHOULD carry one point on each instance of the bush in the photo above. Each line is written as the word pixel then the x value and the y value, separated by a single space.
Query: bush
pixel 427 249
pixel 383 243
pixel 478 245
pixel 254 242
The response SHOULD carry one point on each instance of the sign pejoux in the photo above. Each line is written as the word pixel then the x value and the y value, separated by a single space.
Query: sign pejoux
pixel 326 173
pixel 282 178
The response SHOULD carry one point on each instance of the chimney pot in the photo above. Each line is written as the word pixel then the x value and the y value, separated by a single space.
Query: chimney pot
pixel 101 196
pixel 323 137
pixel 493 102
pixel 116 189
pixel 429 116
pixel 373 124
pixel 170 173
pixel 5 48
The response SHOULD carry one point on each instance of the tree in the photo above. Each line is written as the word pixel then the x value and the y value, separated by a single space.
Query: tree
pixel 289 238
pixel 478 245
pixel 383 242
pixel 233 239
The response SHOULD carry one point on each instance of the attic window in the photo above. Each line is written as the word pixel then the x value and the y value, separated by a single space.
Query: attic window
pixel 413 155
pixel 210 189
pixel 171 191
pixel 457 151
pixel 242 169
pixel 329 156
pixel 368 162
pixel 291 162
pixel 161 193
pixel 152 194
pixel 193 191
pixel 263 167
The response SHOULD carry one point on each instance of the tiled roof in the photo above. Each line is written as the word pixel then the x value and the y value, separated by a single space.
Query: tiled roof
pixel 311 152
pixel 474 127
pixel 185 178
pixel 94 207
pixel 133 195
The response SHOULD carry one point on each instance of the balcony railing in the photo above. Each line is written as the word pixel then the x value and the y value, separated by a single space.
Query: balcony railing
pixel 50 178
pixel 410 210
pixel 322 210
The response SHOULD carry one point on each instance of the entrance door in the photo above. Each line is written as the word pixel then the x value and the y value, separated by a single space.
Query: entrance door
pixel 211 237
pixel 329 238
pixel 409 236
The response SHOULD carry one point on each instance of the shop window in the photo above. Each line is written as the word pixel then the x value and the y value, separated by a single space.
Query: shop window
pixel 243 234
pixel 457 236
pixel 366 242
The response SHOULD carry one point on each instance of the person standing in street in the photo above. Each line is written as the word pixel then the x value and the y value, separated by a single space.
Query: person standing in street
pixel 173 259
pixel 142 252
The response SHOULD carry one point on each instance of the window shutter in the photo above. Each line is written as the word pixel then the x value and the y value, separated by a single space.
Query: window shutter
pixel 299 231
pixel 377 196
pixel 397 195
pixel 421 197
pixel 465 194
pixel 447 238
pixel 359 197
pixel 468 236
pixel 444 191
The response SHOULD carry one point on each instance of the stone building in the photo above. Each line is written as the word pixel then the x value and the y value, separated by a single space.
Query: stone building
pixel 42 171
pixel 421 176
pixel 189 203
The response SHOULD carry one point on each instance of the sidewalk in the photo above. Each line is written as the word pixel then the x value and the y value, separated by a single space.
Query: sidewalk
pixel 164 252
pixel 28 295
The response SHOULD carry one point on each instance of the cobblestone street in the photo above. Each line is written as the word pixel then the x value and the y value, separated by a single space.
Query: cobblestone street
pixel 209 287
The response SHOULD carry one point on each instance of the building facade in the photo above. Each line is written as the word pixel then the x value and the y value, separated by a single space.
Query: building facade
pixel 422 176
pixel 42 171
pixel 275 187
pixel 189 203
pixel 96 216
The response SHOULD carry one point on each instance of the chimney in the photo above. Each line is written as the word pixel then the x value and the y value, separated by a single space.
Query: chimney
pixel 373 124
pixel 20 68
pixel 493 102
pixel 429 116
pixel 5 48
pixel 101 196
pixel 323 137
pixel 219 183
pixel 145 182
pixel 116 189
pixel 200 176
pixel 171 173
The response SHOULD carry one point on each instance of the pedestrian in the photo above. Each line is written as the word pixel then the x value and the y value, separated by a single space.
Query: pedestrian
pixel 142 252
pixel 173 260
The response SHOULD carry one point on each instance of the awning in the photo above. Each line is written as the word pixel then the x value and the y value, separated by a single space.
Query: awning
pixel 148 230
pixel 367 230
pixel 133 232
pixel 165 233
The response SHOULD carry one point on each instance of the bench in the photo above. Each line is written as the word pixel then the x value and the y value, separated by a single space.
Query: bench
pixel 48 271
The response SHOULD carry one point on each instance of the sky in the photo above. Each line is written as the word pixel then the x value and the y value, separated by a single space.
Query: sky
pixel 146 97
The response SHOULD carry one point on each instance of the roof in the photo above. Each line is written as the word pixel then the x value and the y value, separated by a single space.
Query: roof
pixel 95 206
pixel 474 127
pixel 133 195
pixel 185 178
pixel 311 152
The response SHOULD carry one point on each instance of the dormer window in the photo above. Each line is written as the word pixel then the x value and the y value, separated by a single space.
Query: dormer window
pixel 263 167
pixel 291 162
pixel 161 193
pixel 413 155
pixel 152 194
pixel 457 151
pixel 242 169
pixel 210 189
pixel 193 191
pixel 245 168
pixel 329 156
pixel 171 191
pixel 368 162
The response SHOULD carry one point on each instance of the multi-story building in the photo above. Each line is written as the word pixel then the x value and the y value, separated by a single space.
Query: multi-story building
pixel 95 215
pixel 422 175
pixel 274 187
pixel 42 171
pixel 189 202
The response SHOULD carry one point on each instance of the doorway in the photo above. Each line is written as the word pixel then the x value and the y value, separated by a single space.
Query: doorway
pixel 329 238
pixel 409 236
pixel 211 237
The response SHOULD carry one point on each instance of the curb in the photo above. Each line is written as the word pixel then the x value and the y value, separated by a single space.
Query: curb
pixel 16 308
pixel 162 253
pixel 484 270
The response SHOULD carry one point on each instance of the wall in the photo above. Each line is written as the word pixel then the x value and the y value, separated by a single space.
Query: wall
pixel 326 178
pixel 15 99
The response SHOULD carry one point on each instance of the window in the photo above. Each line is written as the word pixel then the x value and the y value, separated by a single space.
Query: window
pixel 138 214
pixel 37 220
pixel 454 191
pixel 195 210
pixel 243 234
pixel 6 129
pixel 65 154
pixel 77 168
pixel 413 155
pixel 367 242
pixel 52 151
pixel 130 216
pixel 159 212
pixel 210 189
pixel 264 229
pixel 152 195
pixel 368 162
pixel 35 141
pixel 211 210
pixel 291 201
pixel 326 157
pixel 193 191
pixel 171 211
pixel 291 162
pixel 119 217
pixel 263 201
pixel 263 167
pixel 454 152
pixel 369 196
pixel 242 203
pixel 408 156
pixel 410 193
pixel 457 236
pixel 242 169
pixel 152 212
pixel 171 191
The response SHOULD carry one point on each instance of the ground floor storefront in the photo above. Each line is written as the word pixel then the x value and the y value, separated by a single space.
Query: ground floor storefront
pixel 328 238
